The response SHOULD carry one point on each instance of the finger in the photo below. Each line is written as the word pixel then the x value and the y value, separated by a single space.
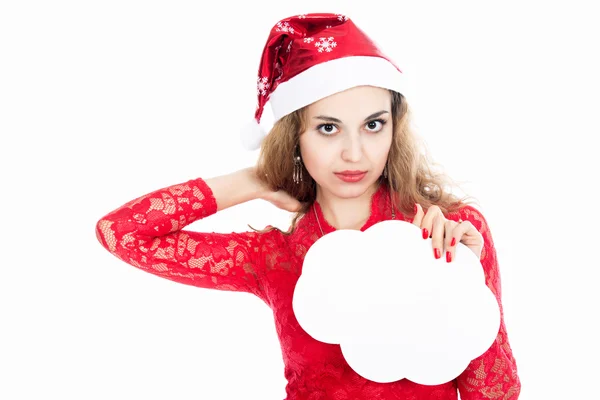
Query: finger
pixel 450 240
pixel 427 222
pixel 458 233
pixel 418 216
pixel 437 236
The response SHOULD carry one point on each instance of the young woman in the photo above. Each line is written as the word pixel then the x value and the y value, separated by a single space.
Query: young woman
pixel 340 155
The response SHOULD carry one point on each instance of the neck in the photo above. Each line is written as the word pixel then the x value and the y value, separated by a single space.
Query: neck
pixel 346 213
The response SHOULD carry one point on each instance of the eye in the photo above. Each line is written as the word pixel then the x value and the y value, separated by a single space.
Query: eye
pixel 328 129
pixel 373 125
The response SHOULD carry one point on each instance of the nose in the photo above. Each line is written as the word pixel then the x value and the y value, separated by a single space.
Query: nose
pixel 352 148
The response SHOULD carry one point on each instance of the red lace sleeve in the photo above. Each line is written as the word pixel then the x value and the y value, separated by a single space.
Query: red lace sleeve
pixel 147 233
pixel 493 375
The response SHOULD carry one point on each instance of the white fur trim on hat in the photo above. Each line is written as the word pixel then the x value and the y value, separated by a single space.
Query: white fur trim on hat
pixel 252 135
pixel 330 77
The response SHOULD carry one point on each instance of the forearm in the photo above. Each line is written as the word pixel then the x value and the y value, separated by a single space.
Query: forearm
pixel 148 233
pixel 494 373
pixel 235 188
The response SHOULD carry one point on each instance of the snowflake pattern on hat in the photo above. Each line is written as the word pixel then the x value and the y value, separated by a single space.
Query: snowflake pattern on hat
pixel 284 27
pixel 262 84
pixel 325 44
pixel 279 71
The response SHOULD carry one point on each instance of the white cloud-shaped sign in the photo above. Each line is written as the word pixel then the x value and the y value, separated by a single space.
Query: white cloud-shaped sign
pixel 396 311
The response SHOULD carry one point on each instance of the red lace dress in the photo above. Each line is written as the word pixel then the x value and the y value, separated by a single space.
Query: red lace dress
pixel 148 233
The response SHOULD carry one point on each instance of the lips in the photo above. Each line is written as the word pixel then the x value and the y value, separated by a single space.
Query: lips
pixel 350 173
pixel 351 176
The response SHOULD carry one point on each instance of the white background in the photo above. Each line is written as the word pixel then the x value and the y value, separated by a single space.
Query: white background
pixel 103 101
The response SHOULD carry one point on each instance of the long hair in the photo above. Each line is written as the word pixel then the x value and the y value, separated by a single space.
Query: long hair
pixel 410 174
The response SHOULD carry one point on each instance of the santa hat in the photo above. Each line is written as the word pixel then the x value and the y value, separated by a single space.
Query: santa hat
pixel 308 57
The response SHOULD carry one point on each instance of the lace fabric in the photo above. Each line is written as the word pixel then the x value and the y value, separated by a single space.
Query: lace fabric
pixel 148 234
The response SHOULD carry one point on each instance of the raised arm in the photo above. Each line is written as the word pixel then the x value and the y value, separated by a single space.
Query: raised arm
pixel 147 233
pixel 493 375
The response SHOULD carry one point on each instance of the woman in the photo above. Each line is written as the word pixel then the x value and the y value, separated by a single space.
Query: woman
pixel 341 155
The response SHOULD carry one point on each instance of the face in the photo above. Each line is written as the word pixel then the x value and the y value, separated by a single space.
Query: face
pixel 348 131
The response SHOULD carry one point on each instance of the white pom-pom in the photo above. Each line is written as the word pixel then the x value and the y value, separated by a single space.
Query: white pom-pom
pixel 252 135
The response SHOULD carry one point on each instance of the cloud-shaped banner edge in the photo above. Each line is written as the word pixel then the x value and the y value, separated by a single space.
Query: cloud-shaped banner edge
pixel 329 303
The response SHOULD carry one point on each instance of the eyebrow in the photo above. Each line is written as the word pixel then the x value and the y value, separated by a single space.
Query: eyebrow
pixel 332 119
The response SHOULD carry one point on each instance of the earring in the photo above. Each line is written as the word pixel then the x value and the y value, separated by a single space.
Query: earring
pixel 297 170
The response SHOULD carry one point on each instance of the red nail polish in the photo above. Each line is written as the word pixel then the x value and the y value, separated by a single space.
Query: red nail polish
pixel 448 256
pixel 453 242
pixel 425 233
pixel 437 253
pixel 416 209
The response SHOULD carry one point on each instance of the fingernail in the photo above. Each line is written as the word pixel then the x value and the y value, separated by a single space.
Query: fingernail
pixel 425 233
pixel 416 209
pixel 448 256
pixel 437 253
pixel 453 242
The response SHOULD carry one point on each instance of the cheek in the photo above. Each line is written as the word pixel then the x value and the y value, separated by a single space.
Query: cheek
pixel 377 151
pixel 313 160
pixel 317 158
pixel 385 146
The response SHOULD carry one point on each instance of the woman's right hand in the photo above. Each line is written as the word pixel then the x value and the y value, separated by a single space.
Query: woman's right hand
pixel 280 198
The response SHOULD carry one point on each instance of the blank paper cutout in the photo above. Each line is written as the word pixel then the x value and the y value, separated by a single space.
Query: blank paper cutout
pixel 395 310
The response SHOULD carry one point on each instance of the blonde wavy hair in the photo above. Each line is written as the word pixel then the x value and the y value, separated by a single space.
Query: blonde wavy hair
pixel 410 173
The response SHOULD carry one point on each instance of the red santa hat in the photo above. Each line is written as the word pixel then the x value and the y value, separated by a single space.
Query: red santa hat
pixel 308 57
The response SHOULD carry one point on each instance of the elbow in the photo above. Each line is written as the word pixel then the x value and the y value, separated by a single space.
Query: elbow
pixel 105 235
pixel 514 390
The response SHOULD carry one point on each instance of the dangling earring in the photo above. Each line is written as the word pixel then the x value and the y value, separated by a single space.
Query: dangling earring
pixel 297 169
pixel 385 173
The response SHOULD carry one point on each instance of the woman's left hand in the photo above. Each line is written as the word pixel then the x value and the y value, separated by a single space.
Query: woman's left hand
pixel 445 233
